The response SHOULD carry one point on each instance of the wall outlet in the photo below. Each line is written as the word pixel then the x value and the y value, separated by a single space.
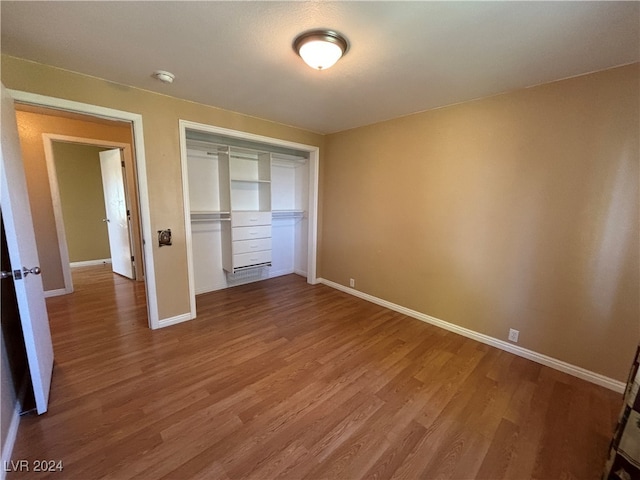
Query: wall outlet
pixel 352 283
pixel 513 335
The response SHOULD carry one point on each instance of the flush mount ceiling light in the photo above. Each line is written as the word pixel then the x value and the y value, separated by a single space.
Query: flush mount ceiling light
pixel 163 76
pixel 320 49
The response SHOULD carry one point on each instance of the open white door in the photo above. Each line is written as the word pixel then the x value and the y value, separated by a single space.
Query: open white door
pixel 117 219
pixel 23 254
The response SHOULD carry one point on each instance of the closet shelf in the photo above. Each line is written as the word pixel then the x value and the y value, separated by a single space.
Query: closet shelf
pixel 249 180
pixel 288 214
pixel 209 216
pixel 209 212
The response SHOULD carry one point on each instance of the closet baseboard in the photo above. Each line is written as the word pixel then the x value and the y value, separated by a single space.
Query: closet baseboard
pixel 277 273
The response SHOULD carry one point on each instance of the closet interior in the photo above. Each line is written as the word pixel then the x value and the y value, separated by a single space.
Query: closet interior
pixel 248 210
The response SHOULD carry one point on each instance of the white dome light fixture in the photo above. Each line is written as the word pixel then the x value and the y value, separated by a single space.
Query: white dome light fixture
pixel 320 49
pixel 163 76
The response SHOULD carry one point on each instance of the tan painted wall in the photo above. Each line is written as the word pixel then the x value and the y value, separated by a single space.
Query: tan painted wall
pixel 160 115
pixel 31 126
pixel 82 200
pixel 517 211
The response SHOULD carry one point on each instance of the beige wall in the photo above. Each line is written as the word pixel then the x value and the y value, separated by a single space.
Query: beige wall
pixel 160 114
pixel 519 210
pixel 82 200
pixel 31 126
pixel 516 211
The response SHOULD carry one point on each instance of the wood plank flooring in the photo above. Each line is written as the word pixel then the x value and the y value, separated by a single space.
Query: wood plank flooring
pixel 280 379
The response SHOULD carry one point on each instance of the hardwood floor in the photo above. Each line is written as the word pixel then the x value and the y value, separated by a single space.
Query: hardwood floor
pixel 280 379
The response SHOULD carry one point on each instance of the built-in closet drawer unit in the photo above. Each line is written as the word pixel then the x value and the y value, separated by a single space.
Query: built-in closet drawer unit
pixel 249 219
pixel 245 260
pixel 250 239
pixel 250 233
pixel 251 246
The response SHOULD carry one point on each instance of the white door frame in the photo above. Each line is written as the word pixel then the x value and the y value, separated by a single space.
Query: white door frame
pixel 48 139
pixel 141 167
pixel 314 165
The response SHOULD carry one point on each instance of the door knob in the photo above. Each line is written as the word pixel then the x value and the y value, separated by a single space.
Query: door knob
pixel 19 275
pixel 35 270
pixel 105 220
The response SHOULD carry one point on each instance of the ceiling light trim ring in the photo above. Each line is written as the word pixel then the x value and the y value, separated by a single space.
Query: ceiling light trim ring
pixel 320 35
pixel 330 36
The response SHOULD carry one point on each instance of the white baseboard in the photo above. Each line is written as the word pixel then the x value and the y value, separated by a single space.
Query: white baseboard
pixel 55 293
pixel 272 274
pixel 279 273
pixel 90 263
pixel 165 322
pixel 554 363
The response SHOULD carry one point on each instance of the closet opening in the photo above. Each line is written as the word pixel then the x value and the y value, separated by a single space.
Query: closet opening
pixel 250 207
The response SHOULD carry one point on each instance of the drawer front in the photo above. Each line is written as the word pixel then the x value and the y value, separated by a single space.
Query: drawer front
pixel 248 246
pixel 246 259
pixel 250 233
pixel 247 219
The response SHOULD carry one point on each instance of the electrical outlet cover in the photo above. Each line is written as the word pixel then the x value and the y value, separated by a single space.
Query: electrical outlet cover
pixel 513 335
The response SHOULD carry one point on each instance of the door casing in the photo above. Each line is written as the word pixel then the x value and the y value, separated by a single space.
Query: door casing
pixel 48 139
pixel 141 167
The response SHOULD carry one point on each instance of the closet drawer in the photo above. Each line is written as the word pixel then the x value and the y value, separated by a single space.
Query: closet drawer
pixel 247 219
pixel 250 233
pixel 246 259
pixel 248 246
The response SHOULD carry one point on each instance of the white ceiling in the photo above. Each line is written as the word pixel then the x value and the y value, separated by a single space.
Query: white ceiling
pixel 404 57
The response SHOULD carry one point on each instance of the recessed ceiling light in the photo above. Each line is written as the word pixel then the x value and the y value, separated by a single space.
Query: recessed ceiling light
pixel 320 49
pixel 163 76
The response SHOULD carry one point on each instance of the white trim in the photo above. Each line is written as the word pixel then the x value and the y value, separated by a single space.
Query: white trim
pixel 312 212
pixel 56 292
pixel 182 126
pixel 165 322
pixel 141 165
pixel 90 263
pixel 47 141
pixel 222 286
pixel 554 363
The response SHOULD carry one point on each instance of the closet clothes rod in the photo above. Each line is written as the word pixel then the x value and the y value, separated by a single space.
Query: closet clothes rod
pixel 288 214
pixel 226 216
pixel 209 220
pixel 199 217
